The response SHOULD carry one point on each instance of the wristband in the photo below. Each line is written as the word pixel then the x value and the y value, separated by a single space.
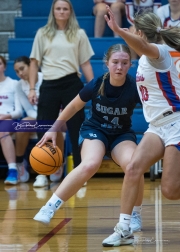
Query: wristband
pixel 32 89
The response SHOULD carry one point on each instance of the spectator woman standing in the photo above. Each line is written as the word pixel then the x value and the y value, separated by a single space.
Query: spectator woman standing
pixel 60 48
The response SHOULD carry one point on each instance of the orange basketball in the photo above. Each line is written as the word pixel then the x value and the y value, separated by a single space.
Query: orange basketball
pixel 46 160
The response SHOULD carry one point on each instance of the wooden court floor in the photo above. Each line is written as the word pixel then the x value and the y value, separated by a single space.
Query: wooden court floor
pixel 85 220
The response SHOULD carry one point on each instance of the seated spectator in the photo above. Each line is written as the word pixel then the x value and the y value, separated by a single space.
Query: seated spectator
pixel 136 6
pixel 170 14
pixel 99 11
pixel 10 108
pixel 21 67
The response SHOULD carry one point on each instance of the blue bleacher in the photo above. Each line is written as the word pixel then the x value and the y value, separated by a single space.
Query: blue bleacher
pixel 22 46
pixel 139 124
pixel 26 27
pixel 98 68
pixel 38 8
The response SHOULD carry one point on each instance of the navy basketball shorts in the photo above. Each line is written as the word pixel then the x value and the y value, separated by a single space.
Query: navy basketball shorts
pixel 109 140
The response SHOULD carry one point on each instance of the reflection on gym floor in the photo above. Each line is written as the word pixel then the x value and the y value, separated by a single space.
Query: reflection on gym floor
pixel 85 219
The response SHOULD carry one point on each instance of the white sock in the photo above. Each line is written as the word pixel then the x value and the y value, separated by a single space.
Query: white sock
pixel 137 209
pixel 124 220
pixel 12 166
pixel 54 202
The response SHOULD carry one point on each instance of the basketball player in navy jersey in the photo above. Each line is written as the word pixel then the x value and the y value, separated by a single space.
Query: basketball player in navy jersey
pixel 108 131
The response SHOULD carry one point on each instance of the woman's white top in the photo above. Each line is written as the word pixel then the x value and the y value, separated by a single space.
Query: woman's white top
pixel 164 12
pixel 9 100
pixel 23 92
pixel 59 57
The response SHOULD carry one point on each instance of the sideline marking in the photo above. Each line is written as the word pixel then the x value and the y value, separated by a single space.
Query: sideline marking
pixel 49 235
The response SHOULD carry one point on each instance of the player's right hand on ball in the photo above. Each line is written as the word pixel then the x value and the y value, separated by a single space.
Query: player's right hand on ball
pixel 48 136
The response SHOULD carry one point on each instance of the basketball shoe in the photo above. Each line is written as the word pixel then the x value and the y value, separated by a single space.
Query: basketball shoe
pixel 136 222
pixel 41 181
pixel 44 215
pixel 55 177
pixel 119 237
pixel 12 178
pixel 22 170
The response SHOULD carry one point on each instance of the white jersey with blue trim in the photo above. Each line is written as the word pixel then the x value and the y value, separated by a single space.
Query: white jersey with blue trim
pixel 164 13
pixel 9 100
pixel 159 89
pixel 133 7
pixel 176 59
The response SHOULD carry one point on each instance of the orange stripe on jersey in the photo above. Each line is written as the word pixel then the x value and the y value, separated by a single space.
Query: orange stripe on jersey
pixel 174 54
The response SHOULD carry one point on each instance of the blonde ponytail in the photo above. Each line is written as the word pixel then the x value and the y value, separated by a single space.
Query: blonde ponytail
pixel 150 24
pixel 101 89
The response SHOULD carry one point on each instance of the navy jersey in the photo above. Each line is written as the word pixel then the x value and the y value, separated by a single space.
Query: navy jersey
pixel 111 112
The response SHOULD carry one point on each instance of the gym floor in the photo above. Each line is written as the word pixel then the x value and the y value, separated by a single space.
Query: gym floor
pixel 85 219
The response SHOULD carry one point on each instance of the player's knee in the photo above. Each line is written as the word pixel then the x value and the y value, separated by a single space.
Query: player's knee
pixel 101 11
pixel 3 136
pixel 171 192
pixel 132 173
pixel 90 167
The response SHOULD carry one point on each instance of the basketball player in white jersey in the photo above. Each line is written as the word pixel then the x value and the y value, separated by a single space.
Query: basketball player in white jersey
pixel 159 90
pixel 170 13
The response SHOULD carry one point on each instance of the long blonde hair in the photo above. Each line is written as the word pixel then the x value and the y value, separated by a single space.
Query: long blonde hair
pixel 3 61
pixel 113 49
pixel 150 24
pixel 72 26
